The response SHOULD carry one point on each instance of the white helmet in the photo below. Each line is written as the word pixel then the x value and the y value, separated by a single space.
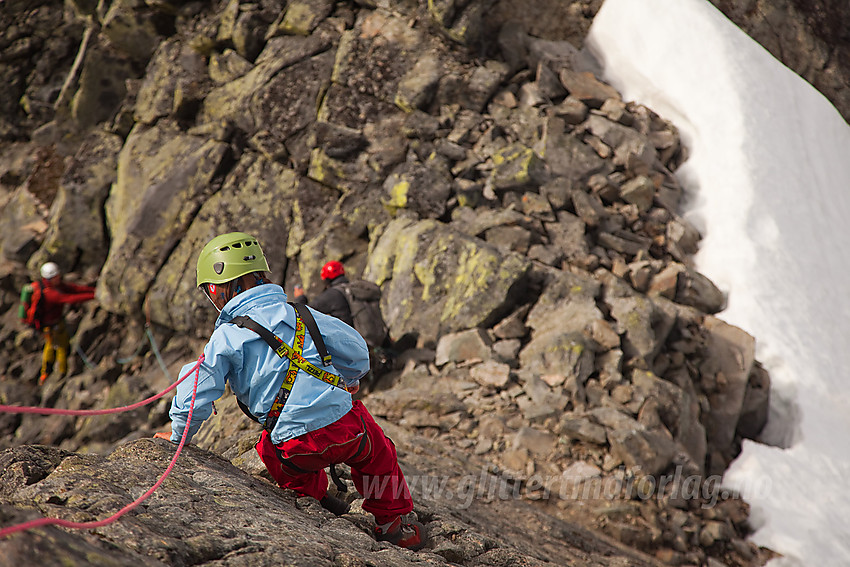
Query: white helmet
pixel 49 270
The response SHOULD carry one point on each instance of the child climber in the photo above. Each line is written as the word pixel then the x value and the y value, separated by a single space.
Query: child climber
pixel 297 381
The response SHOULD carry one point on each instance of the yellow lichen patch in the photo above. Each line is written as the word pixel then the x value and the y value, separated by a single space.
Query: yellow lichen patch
pixel 299 19
pixel 476 270
pixel 323 169
pixel 398 194
pixel 425 274
pixel 383 253
pixel 514 165
pixel 347 42
pixel 403 103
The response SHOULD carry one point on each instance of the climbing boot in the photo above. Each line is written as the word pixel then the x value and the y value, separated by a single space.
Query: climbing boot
pixel 334 505
pixel 408 534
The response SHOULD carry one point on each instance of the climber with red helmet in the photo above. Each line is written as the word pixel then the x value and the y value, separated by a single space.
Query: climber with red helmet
pixel 293 370
pixel 332 269
pixel 332 300
pixel 358 304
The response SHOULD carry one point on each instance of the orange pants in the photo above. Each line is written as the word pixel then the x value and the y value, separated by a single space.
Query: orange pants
pixel 354 439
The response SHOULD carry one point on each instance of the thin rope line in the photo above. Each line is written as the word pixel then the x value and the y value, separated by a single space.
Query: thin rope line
pixel 100 523
pixel 58 411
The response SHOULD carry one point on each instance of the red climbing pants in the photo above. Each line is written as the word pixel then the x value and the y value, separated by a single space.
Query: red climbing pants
pixel 354 439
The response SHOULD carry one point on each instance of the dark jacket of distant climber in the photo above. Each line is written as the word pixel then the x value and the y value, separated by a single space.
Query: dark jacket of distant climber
pixel 332 301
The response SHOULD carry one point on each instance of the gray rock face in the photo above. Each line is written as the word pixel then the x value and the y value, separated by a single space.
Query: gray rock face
pixel 257 197
pixel 76 232
pixel 208 511
pixel 163 175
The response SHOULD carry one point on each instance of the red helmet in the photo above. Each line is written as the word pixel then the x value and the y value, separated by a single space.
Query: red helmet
pixel 332 269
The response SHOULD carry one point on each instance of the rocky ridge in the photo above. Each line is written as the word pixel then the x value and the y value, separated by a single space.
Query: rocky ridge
pixel 560 360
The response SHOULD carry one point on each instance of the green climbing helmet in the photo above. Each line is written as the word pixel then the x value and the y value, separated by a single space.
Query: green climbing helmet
pixel 228 256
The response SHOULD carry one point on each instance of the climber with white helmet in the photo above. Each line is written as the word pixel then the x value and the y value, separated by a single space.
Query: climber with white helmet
pixel 46 312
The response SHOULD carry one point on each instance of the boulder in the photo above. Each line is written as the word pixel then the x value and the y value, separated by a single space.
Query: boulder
pixel 567 305
pixel 465 346
pixel 507 351
pixel 480 84
pixel 417 87
pixel 476 222
pixel 23 226
pixel 539 401
pixel 698 291
pixel 756 404
pixel 639 322
pixel 420 187
pixel 279 94
pixel 581 428
pixel 568 156
pixel 95 486
pixel 642 449
pixel 102 86
pixel 257 198
pixel 638 191
pixel 132 26
pixel 516 166
pixel 175 70
pixel 163 177
pixel 248 34
pixel 567 237
pixel 512 326
pixel 303 16
pixel 589 208
pixel 727 362
pixel 677 409
pixel 682 238
pixel 228 66
pixel 509 239
pixel 536 206
pixel 75 237
pixel 642 323
pixel 586 87
pixel 491 373
pixel 460 20
pixel 539 443
pixel 437 280
pixel 381 44
pixel 625 242
pixel 557 351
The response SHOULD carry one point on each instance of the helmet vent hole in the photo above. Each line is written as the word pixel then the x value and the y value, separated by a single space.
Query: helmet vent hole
pixel 218 267
pixel 237 245
pixel 225 248
pixel 249 258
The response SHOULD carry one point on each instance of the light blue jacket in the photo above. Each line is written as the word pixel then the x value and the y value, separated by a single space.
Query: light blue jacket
pixel 255 372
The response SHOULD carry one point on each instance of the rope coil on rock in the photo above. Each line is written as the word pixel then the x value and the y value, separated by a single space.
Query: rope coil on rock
pixel 100 523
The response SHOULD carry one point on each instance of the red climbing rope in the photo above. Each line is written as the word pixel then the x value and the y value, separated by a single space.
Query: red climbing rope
pixel 89 525
pixel 57 411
